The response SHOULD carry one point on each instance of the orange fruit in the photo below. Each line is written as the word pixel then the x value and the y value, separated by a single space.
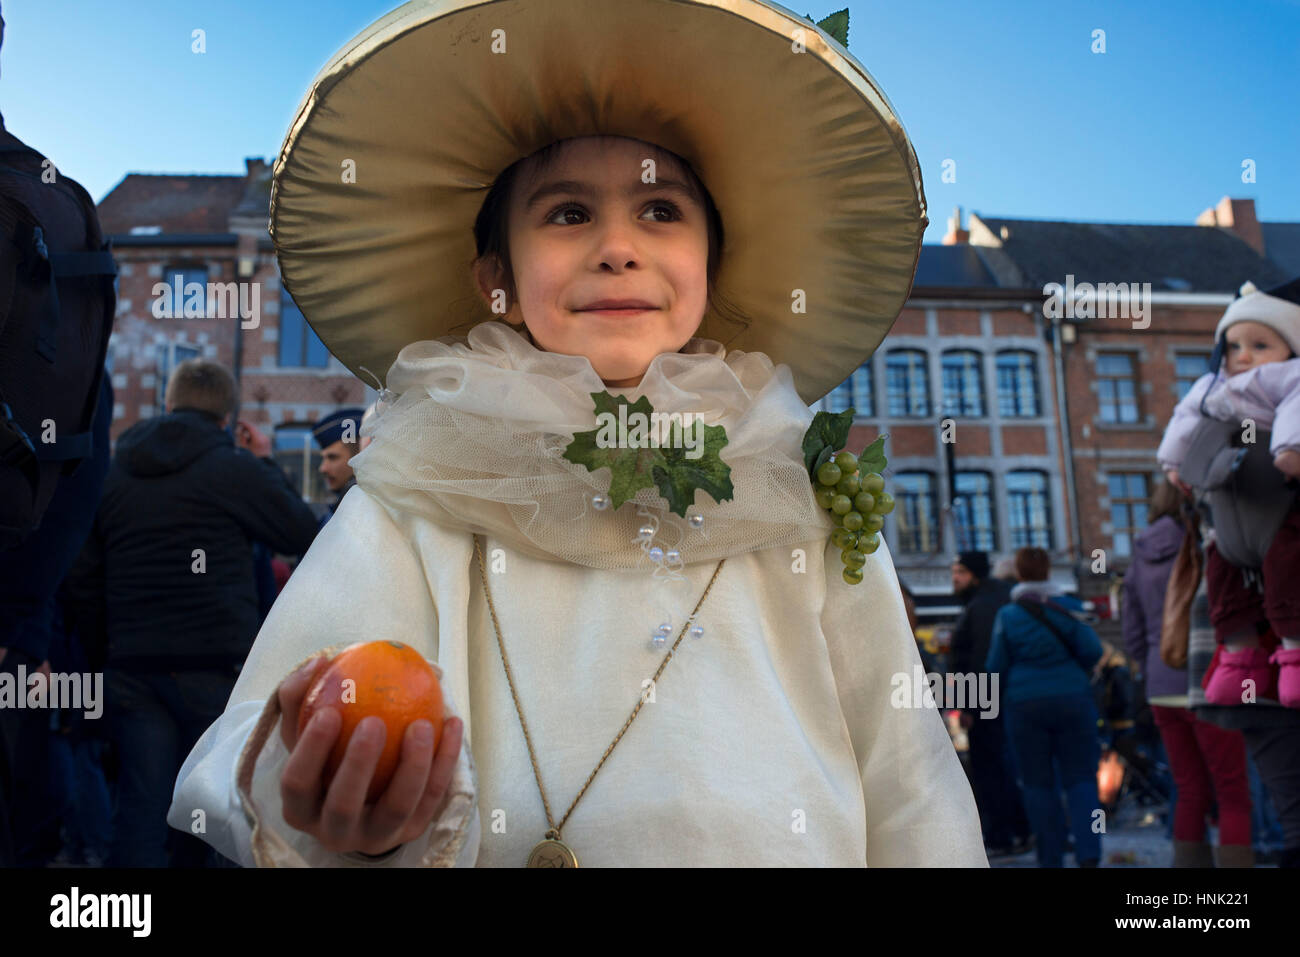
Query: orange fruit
pixel 386 679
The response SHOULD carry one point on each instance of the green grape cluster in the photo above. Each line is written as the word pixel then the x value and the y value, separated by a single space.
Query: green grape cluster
pixel 858 504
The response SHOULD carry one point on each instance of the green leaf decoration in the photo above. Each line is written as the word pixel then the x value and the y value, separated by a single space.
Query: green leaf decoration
pixel 666 467
pixel 837 25
pixel 679 476
pixel 873 458
pixel 826 431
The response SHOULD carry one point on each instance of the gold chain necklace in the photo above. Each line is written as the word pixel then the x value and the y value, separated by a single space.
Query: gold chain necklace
pixel 551 851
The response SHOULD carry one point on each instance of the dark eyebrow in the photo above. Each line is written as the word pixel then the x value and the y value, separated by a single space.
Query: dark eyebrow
pixel 571 187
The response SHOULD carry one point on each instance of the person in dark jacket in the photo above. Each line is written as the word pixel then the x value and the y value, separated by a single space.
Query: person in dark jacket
pixel 1208 762
pixel 30 575
pixel 1044 655
pixel 169 567
pixel 993 781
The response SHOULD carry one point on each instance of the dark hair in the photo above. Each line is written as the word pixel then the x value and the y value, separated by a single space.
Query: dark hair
pixel 1033 564
pixel 492 233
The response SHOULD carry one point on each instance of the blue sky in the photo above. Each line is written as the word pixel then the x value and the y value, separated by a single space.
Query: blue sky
pixel 1153 130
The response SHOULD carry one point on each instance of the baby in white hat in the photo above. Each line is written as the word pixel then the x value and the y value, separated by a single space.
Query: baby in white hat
pixel 1259 338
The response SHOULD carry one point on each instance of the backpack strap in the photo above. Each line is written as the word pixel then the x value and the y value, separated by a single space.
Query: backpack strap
pixel 47 268
pixel 1037 611
pixel 16 449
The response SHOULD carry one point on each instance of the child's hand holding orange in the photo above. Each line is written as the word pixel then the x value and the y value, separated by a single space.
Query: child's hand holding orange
pixel 335 810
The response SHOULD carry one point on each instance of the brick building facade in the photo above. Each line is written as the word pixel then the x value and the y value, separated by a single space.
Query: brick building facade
pixel 1053 418
pixel 1006 426
pixel 209 230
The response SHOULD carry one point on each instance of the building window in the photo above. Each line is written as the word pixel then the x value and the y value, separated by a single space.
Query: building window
pixel 1029 516
pixel 300 347
pixel 907 383
pixel 294 449
pixel 1128 508
pixel 963 383
pixel 170 355
pixel 192 282
pixel 917 512
pixel 1117 387
pixel 1018 384
pixel 973 512
pixel 854 392
pixel 1188 367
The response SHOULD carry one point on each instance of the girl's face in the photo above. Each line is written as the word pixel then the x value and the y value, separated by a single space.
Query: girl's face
pixel 1253 344
pixel 607 266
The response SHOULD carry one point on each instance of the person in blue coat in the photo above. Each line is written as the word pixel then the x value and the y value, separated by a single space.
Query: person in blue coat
pixel 1045 655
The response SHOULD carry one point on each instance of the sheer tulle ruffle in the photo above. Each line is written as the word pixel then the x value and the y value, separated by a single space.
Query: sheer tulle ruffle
pixel 475 436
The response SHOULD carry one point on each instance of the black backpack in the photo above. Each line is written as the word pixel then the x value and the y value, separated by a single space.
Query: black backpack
pixel 57 300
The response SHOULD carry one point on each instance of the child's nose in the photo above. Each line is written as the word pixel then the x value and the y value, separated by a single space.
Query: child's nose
pixel 616 248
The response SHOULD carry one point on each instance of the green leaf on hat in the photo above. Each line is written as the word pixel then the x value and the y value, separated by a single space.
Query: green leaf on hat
pixel 666 468
pixel 837 25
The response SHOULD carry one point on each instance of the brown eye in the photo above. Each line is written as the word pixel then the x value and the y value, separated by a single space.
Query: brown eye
pixel 674 212
pixel 566 210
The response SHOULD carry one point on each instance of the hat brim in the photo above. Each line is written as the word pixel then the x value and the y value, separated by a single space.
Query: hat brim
pixel 402 134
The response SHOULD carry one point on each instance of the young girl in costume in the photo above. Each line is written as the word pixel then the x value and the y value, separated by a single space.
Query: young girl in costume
pixel 1260 334
pixel 695 210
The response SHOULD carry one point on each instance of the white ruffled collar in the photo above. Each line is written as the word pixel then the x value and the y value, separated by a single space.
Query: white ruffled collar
pixel 474 439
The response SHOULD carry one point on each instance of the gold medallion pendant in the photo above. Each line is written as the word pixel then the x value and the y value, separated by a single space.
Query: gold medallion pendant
pixel 552 853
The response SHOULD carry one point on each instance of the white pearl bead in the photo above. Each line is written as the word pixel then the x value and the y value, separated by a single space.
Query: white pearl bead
pixel 600 501
pixel 673 556
pixel 646 531
pixel 659 640
pixel 665 629
pixel 697 631
pixel 656 554
pixel 696 519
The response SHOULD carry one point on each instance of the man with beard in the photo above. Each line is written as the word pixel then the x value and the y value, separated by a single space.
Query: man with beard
pixel 1002 813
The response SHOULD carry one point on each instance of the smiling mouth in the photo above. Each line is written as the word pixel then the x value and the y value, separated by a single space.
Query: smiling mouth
pixel 617 307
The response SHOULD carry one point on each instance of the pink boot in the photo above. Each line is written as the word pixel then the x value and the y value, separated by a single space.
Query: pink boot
pixel 1228 683
pixel 1288 679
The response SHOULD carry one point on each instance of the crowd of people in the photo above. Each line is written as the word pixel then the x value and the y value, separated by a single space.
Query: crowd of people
pixel 1211 636
pixel 183 543
pixel 1069 704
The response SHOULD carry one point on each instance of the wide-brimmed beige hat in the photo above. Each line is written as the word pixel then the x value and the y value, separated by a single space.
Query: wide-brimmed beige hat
pixel 402 134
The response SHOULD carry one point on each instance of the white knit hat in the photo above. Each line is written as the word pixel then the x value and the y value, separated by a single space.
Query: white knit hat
pixel 1278 308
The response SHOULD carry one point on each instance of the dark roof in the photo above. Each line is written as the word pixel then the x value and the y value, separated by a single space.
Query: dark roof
pixel 178 204
pixel 946 267
pixel 1282 246
pixel 1178 258
pixel 256 200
